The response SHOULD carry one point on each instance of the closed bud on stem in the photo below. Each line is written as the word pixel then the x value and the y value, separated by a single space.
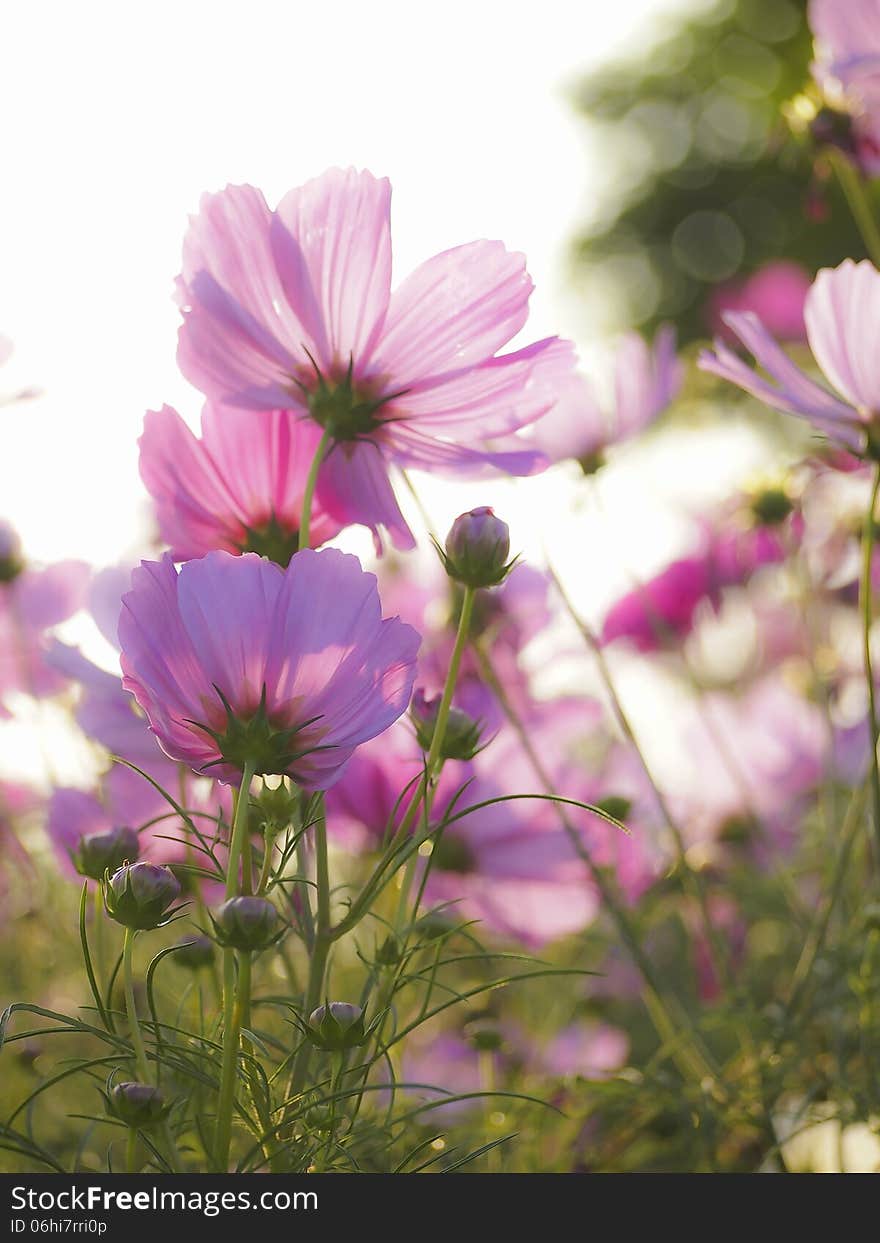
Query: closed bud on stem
pixel 246 923
pixel 138 895
pixel 98 853
pixel 137 1104
pixel 277 806
pixel 195 953
pixel 477 549
pixel 461 738
pixel 337 1026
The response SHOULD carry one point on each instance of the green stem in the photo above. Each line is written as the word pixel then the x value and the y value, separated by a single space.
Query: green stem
pixel 434 761
pixel 137 1039
pixel 266 869
pixel 239 833
pixel 305 522
pixel 854 190
pixel 673 1026
pixel 815 941
pixel 233 1003
pixel 131 1166
pixel 867 595
pixel 691 881
pixel 140 1053
pixel 320 950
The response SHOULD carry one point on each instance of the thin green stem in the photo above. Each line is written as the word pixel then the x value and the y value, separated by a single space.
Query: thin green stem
pixel 867 599
pixel 854 190
pixel 675 1026
pixel 434 760
pixel 239 833
pixel 137 1039
pixel 691 881
pixel 266 869
pixel 234 1001
pixel 305 522
pixel 816 939
pixel 321 948
pixel 231 1029
pixel 131 1163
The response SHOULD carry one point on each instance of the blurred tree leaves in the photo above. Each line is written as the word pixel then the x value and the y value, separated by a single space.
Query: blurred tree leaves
pixel 712 185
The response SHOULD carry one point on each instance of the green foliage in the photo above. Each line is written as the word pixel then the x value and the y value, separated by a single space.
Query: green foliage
pixel 713 184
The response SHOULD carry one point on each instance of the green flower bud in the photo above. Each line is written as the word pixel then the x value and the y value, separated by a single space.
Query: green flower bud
pixel 246 923
pixel 337 1026
pixel 477 548
pixel 137 1104
pixel 461 738
pixel 98 853
pixel 139 895
pixel 277 808
pixel 195 952
pixel 388 953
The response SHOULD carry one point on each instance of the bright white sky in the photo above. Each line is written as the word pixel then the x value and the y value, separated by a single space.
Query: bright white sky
pixel 117 117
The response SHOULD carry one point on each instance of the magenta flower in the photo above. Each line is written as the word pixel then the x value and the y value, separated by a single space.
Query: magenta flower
pixel 775 293
pixel 841 312
pixel 240 487
pixel 235 660
pixel 581 426
pixel 663 609
pixel 293 309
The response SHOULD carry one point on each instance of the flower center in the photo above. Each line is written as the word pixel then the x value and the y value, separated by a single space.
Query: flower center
pixel 271 540
pixel 344 408
pixel 271 749
pixel 771 507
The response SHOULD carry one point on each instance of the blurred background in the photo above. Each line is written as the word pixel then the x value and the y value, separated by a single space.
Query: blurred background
pixel 633 151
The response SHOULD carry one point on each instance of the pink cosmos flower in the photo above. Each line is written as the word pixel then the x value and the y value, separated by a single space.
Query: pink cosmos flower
pixel 240 487
pixel 293 309
pixel 234 659
pixel 847 67
pixel 841 312
pixel 646 379
pixel 32 601
pixel 775 293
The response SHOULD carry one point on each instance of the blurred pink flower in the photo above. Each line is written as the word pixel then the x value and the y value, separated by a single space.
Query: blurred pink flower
pixel 646 380
pixel 589 1050
pixel 32 601
pixel 842 312
pixel 752 759
pixel 125 800
pixel 239 488
pixel 661 611
pixel 775 293
pixel 847 67
pixel 233 658
pixel 293 309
